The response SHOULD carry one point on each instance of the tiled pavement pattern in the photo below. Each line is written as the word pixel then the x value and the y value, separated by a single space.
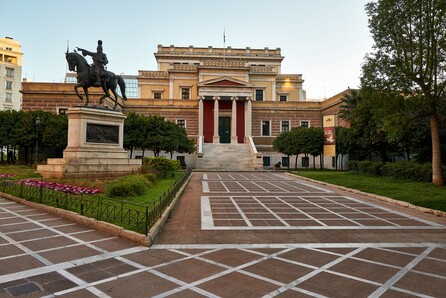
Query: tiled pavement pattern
pixel 307 241
pixel 249 201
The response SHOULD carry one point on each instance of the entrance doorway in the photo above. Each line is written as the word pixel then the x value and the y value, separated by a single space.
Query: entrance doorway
pixel 224 129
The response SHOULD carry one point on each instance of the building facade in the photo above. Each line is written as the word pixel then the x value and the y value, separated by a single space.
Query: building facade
pixel 221 96
pixel 228 89
pixel 10 74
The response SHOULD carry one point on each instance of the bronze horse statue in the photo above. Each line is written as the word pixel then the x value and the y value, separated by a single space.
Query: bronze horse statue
pixel 86 79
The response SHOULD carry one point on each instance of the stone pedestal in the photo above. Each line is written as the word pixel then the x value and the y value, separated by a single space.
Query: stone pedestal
pixel 95 146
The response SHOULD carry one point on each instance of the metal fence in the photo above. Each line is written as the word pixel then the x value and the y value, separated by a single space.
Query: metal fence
pixel 136 217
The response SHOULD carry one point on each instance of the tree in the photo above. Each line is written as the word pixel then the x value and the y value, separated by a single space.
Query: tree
pixel 133 126
pixel 177 140
pixel 55 132
pixel 349 102
pixel 286 143
pixel 342 144
pixel 406 129
pixel 311 141
pixel 410 57
pixel 155 133
pixel 8 120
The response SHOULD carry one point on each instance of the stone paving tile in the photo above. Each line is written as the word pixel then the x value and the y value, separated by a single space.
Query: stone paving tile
pixel 41 244
pixel 182 270
pixel 278 270
pixel 237 285
pixel 65 259
pixel 309 257
pixel 231 257
pixel 365 270
pixel 80 294
pixel 29 235
pixel 418 283
pixel 21 263
pixel 66 254
pixel 9 250
pixel 142 284
pixel 338 286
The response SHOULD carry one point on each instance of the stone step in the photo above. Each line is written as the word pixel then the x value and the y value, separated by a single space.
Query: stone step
pixel 227 157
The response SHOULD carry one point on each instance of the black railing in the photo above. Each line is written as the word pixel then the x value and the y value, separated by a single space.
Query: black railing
pixel 136 217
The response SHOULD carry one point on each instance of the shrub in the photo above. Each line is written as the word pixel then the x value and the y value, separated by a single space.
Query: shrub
pixel 409 170
pixel 160 166
pixel 370 167
pixel 150 177
pixel 128 186
pixel 352 165
pixel 405 170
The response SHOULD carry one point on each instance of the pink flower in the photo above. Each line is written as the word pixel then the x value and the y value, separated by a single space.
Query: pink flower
pixel 70 189
pixel 6 175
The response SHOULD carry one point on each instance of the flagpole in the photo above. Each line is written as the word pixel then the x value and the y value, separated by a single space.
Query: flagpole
pixel 224 44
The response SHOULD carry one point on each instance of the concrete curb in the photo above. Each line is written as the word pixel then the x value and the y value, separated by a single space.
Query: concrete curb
pixel 102 226
pixel 156 228
pixel 377 197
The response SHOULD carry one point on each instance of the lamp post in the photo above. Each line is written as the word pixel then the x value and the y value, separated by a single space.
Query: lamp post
pixel 37 139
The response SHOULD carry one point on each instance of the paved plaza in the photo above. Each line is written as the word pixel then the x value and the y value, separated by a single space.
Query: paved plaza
pixel 241 234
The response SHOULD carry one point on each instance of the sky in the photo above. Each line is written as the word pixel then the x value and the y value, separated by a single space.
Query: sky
pixel 324 40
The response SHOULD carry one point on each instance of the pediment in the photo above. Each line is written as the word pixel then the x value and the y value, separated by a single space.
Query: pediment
pixel 224 82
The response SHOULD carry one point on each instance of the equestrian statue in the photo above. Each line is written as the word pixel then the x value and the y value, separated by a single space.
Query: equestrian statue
pixel 95 75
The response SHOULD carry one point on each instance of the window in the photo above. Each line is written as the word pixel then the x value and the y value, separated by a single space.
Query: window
pixel 259 94
pixel 62 111
pixel 185 93
pixel 181 123
pixel 283 98
pixel 285 126
pixel 8 85
pixel 266 161
pixel 131 87
pixel 305 124
pixel 285 161
pixel 182 160
pixel 305 162
pixel 266 128
pixel 8 49
pixel 10 72
pixel 157 95
pixel 8 97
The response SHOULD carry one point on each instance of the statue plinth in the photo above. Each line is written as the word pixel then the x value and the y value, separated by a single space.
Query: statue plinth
pixel 95 146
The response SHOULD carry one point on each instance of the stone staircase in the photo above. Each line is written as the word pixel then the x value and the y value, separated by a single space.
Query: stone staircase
pixel 226 157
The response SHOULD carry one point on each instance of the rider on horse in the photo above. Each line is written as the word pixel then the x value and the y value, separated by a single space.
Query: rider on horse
pixel 99 62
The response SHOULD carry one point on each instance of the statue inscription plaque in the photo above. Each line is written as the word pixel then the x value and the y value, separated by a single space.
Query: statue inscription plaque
pixel 106 134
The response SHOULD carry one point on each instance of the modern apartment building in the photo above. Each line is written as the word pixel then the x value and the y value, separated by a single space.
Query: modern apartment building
pixel 10 74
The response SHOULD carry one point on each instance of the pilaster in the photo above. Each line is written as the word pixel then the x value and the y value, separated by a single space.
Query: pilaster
pixel 234 120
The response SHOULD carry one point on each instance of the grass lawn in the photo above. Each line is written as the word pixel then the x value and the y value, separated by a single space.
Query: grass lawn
pixel 417 193
pixel 154 191
pixel 27 172
pixel 19 172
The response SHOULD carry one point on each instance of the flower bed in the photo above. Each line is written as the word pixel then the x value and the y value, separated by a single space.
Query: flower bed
pixel 70 189
pixel 6 175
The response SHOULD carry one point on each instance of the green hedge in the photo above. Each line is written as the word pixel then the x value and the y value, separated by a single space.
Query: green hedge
pixel 160 166
pixel 409 171
pixel 406 170
pixel 128 186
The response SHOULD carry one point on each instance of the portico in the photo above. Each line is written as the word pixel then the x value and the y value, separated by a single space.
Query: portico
pixel 224 110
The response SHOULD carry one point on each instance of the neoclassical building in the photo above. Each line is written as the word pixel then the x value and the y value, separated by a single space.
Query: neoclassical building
pixel 232 102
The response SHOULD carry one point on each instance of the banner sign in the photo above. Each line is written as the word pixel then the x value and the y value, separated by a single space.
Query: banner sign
pixel 329 135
